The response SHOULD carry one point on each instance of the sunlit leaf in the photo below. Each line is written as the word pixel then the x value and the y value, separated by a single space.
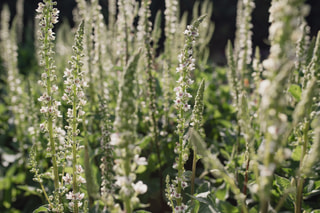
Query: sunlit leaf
pixel 295 91
pixel 43 208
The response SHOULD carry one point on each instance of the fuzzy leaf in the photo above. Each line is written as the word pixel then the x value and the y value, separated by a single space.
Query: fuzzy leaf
pixel 43 208
pixel 295 91
pixel 296 154
pixel 30 190
pixel 141 169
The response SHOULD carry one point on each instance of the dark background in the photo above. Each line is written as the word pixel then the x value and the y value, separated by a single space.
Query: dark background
pixel 224 13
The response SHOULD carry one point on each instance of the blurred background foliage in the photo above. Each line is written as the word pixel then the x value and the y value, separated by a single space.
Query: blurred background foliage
pixel 224 13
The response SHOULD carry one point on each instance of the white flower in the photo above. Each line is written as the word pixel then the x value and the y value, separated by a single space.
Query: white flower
pixel 121 181
pixel 44 75
pixel 263 86
pixel 79 169
pixel 81 94
pixel 272 130
pixel 67 73
pixel 186 107
pixel 70 113
pixel 140 161
pixel 69 196
pixel 81 112
pixel 67 179
pixel 31 130
pixel 140 187
pixel 68 89
pixel 79 196
pixel 54 88
pixel 184 184
pixel 267 171
pixel 83 102
pixel 71 204
pixel 177 102
pixel 64 97
pixel 42 126
pixel 44 109
pixel 81 179
pixel 115 139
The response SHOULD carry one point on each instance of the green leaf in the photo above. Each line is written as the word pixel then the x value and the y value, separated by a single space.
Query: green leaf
pixel 227 207
pixel 296 154
pixel 29 190
pixel 6 204
pixel 253 210
pixel 285 189
pixel 141 169
pixel 295 91
pixel 145 142
pixel 5 183
pixel 142 211
pixel 19 178
pixel 2 108
pixel 43 208
pixel 222 193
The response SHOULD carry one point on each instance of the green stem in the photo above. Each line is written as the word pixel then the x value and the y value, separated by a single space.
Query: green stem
pixel 53 153
pixel 91 187
pixel 45 193
pixel 246 178
pixel 126 38
pixel 180 162
pixel 236 191
pixel 49 92
pixel 194 164
pixel 237 153
pixel 300 182
pixel 127 203
pixel 264 206
pixel 74 141
pixel 265 192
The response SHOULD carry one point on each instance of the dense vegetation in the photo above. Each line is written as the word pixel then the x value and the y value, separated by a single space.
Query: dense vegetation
pixel 108 120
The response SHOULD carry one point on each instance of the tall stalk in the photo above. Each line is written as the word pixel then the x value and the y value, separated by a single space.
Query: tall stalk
pixel 48 16
pixel 186 66
pixel 196 120
pixel 74 95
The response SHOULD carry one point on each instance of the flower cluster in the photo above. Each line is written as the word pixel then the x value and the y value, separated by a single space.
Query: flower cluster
pixel 186 66
pixel 284 33
pixel 171 18
pixel 16 96
pixel 125 20
pixel 197 111
pixel 74 83
pixel 107 173
pixel 48 16
pixel 125 150
pixel 74 197
pixel 75 96
pixel 244 35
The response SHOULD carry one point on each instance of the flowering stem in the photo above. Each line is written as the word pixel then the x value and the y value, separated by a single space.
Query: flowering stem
pixel 194 165
pixel 180 166
pixel 53 153
pixel 298 202
pixel 50 122
pixel 74 143
pixel 91 187
pixel 127 203
pixel 49 92
pixel 246 178
pixel 45 194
